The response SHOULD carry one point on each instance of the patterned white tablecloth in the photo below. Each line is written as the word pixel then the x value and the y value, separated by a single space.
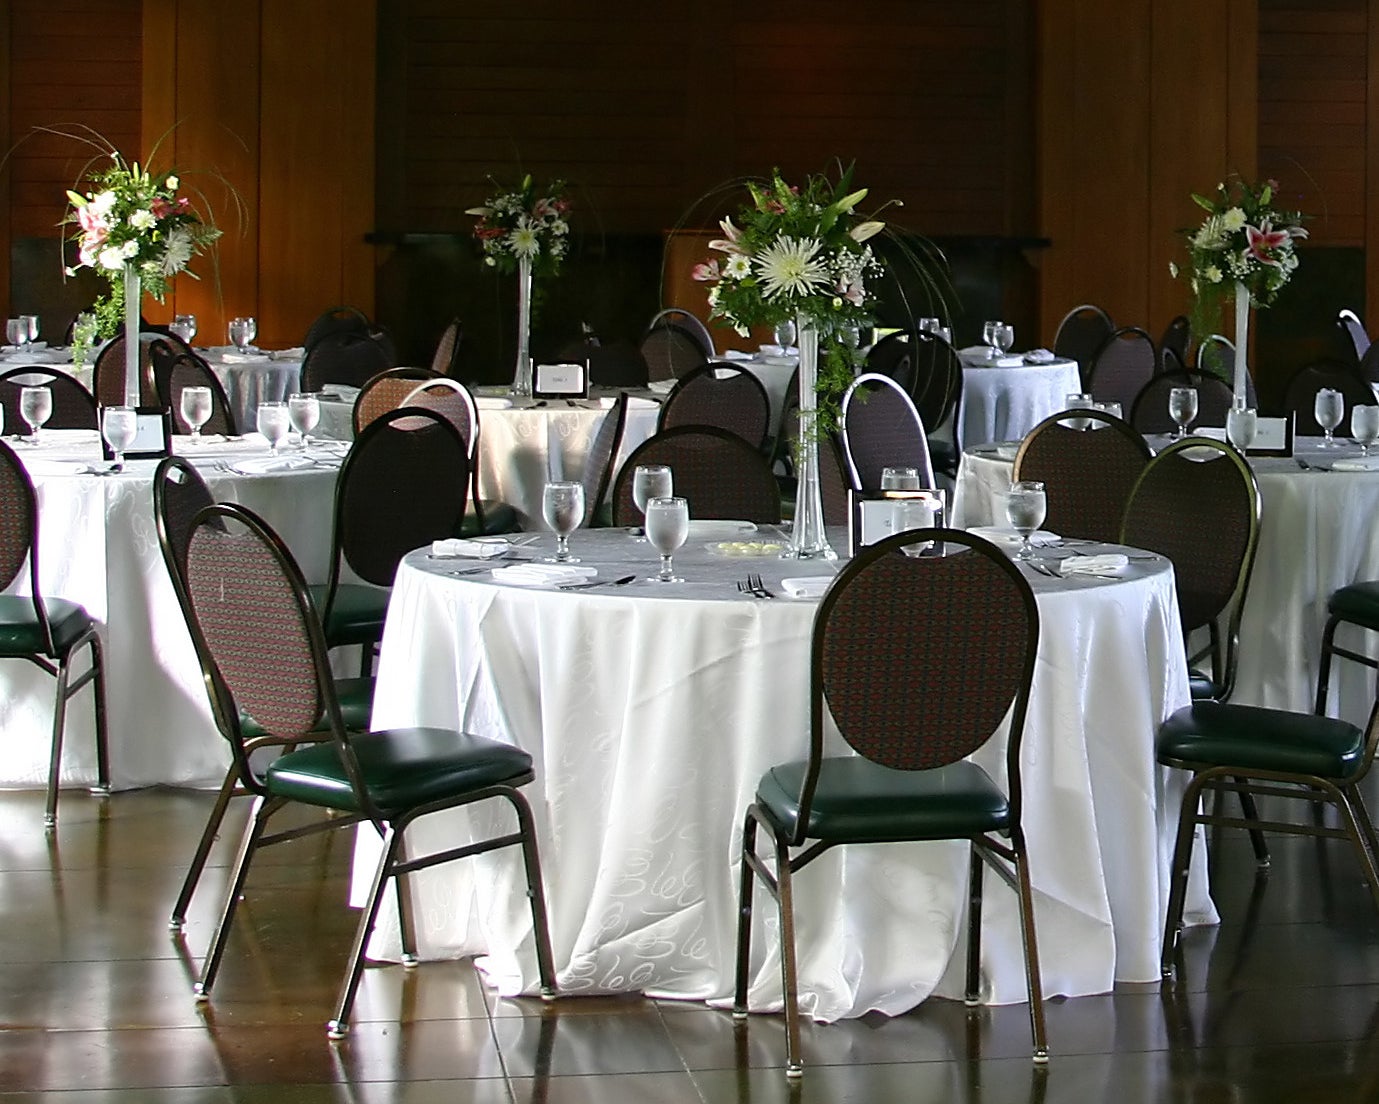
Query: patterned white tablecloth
pixel 250 379
pixel 1003 404
pixel 651 712
pixel 98 546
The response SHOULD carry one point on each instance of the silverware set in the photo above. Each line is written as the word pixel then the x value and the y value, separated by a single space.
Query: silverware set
pixel 754 586
pixel 597 583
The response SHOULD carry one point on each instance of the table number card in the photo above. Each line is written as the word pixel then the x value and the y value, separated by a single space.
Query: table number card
pixel 561 381
pixel 152 439
pixel 872 517
pixel 1273 437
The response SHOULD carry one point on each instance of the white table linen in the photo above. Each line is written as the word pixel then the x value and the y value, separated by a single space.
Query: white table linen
pixel 50 358
pixel 253 378
pixel 1003 404
pixel 1316 535
pixel 98 546
pixel 651 712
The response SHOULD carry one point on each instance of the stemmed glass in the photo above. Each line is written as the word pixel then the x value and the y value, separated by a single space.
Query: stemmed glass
pixel 1329 409
pixel 785 333
pixel 119 426
pixel 35 407
pixel 562 505
pixel 650 481
pixel 273 423
pixel 1004 335
pixel 1026 504
pixel 305 411
pixel 1242 423
pixel 667 527
pixel 196 409
pixel 17 332
pixel 242 332
pixel 991 336
pixel 900 479
pixel 1182 408
pixel 183 326
pixel 31 323
pixel 929 325
pixel 1364 426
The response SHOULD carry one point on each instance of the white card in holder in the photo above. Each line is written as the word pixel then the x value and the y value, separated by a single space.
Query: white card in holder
pixel 1273 437
pixel 560 381
pixel 874 517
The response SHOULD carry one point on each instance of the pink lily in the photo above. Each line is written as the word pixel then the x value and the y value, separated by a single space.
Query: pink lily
pixel 705 272
pixel 729 243
pixel 1263 240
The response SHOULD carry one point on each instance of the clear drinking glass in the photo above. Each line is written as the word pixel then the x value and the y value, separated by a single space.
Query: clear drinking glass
pixel 929 325
pixel 1182 408
pixel 785 333
pixel 31 324
pixel 1004 335
pixel 1364 426
pixel 273 423
pixel 1079 400
pixel 989 337
pixel 305 411
pixel 667 528
pixel 242 332
pixel 17 332
pixel 35 407
pixel 196 409
pixel 119 426
pixel 183 326
pixel 1241 426
pixel 1110 407
pixel 1329 409
pixel 900 479
pixel 650 481
pixel 1026 504
pixel 562 505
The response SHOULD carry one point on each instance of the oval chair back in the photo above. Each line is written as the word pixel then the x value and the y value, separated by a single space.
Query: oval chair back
pixel 881 428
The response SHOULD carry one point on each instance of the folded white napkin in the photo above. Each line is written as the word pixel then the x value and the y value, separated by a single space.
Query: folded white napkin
pixel 782 361
pixel 809 586
pixel 37 466
pixel 244 358
pixel 1015 360
pixel 639 402
pixel 975 352
pixel 543 574
pixel 262 465
pixel 662 387
pixel 1112 563
pixel 1039 356
pixel 772 350
pixel 710 528
pixel 1356 463
pixel 485 548
pixel 738 354
pixel 489 402
pixel 295 353
pixel 1004 535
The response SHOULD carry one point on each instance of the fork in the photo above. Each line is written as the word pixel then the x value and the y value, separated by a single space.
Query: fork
pixel 758 587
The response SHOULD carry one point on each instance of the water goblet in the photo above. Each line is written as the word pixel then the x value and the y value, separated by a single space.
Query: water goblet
pixel 35 407
pixel 1079 400
pixel 273 423
pixel 562 505
pixel 1364 426
pixel 989 332
pixel 900 479
pixel 785 333
pixel 196 409
pixel 119 427
pixel 1026 504
pixel 1182 408
pixel 1329 409
pixel 305 411
pixel 1242 423
pixel 242 332
pixel 31 323
pixel 929 325
pixel 1004 335
pixel 1110 407
pixel 17 332
pixel 183 326
pixel 650 481
pixel 667 527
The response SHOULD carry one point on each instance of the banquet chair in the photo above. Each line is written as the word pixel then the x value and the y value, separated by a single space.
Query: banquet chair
pixel 403 485
pixel 273 666
pixel 892 356
pixel 336 320
pixel 1177 336
pixel 1355 336
pixel 675 342
pixel 386 391
pixel 73 405
pixel 1149 412
pixel 47 632
pixel 107 377
pixel 446 357
pixel 347 358
pixel 1300 396
pixel 1216 357
pixel 1355 604
pixel 881 428
pixel 722 395
pixel 1089 462
pixel 453 401
pixel 888 635
pixel 719 473
pixel 938 398
pixel 1080 334
pixel 179 494
pixel 1126 361
pixel 599 461
pixel 184 370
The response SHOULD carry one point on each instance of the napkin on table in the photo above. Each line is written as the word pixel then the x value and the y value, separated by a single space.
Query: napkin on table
pixel 640 402
pixel 478 549
pixel 37 466
pixel 1039 356
pixel 1111 563
pixel 737 354
pixel 295 353
pixel 244 358
pixel 492 402
pixel 808 586
pixel 1008 537
pixel 262 465
pixel 543 574
pixel 1356 463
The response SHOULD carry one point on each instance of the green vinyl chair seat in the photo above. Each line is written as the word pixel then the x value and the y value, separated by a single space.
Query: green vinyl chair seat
pixel 1358 603
pixel 356 709
pixel 856 799
pixel 22 634
pixel 1248 738
pixel 356 616
pixel 402 768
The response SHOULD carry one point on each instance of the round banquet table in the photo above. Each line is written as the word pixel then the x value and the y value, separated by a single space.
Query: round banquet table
pixel 1316 535
pixel 1004 403
pixel 255 377
pixel 652 710
pixel 98 546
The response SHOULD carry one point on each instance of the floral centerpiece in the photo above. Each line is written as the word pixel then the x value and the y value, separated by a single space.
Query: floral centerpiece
pixel 1243 251
pixel 524 230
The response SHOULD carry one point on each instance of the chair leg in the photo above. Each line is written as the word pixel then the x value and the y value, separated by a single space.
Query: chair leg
pixel 1324 666
pixel 102 786
pixel 339 1025
pixel 536 893
pixel 744 917
pixel 785 901
pixel 1366 822
pixel 976 873
pixel 203 849
pixel 1033 977
pixel 55 759
pixel 1178 872
pixel 407 929
pixel 1257 841
pixel 263 809
pixel 1360 838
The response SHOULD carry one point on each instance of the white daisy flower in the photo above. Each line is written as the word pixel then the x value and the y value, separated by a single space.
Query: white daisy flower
pixel 524 240
pixel 790 266
pixel 142 219
pixel 737 267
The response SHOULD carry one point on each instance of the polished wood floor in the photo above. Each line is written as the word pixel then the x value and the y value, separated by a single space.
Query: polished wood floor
pixel 1280 1003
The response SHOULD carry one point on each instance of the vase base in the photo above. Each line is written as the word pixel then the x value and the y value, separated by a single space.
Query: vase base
pixel 824 553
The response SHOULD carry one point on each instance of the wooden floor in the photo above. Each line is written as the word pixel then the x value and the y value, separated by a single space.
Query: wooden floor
pixel 1280 1003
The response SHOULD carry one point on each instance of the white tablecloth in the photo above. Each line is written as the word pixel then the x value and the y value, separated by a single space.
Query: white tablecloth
pixel 98 546
pixel 652 712
pixel 1317 534
pixel 257 379
pixel 1003 404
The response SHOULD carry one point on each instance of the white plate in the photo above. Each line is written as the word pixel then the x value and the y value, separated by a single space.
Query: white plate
pixel 1009 538
pixel 713 529
pixel 746 548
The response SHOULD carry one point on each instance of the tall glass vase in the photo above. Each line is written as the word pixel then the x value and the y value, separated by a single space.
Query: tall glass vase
pixel 521 380
pixel 132 295
pixel 807 538
pixel 1242 345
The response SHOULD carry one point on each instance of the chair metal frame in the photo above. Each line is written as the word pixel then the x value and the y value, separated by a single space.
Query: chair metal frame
pixel 850 396
pixel 747 461
pixel 707 376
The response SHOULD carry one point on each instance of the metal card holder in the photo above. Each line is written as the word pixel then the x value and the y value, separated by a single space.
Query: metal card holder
pixel 561 381
pixel 872 514
pixel 153 438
